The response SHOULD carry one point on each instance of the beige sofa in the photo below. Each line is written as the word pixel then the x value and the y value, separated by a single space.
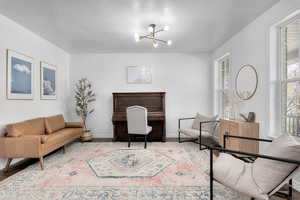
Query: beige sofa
pixel 37 137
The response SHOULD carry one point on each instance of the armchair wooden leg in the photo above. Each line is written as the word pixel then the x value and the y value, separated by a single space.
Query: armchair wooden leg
pixel 42 163
pixel 8 164
pixel 145 142
pixel 64 148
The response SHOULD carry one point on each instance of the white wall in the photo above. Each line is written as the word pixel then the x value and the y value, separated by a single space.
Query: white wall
pixel 184 77
pixel 16 37
pixel 251 46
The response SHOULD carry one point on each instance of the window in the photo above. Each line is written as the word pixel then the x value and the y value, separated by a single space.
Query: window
pixel 223 81
pixel 290 76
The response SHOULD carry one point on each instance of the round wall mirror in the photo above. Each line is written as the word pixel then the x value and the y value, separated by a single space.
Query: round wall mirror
pixel 246 82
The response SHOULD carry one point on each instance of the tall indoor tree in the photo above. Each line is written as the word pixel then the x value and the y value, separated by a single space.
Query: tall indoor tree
pixel 84 96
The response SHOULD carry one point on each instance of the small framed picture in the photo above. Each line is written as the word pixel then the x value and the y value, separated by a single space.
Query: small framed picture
pixel 48 81
pixel 139 75
pixel 20 70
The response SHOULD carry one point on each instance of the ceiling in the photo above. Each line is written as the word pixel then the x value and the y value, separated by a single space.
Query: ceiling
pixel 99 26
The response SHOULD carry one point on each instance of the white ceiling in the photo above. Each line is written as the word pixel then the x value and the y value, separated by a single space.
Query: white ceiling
pixel 96 26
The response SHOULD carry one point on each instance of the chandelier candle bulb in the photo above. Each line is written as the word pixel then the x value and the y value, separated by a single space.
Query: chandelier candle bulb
pixel 169 42
pixel 137 37
pixel 166 28
pixel 151 28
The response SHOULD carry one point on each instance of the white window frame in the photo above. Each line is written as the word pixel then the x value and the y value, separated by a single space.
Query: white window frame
pixel 282 66
pixel 219 84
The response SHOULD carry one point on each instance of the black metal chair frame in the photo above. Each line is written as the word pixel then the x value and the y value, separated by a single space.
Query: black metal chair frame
pixel 194 140
pixel 251 155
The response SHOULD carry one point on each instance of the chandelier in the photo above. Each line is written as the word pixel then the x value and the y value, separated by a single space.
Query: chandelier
pixel 152 35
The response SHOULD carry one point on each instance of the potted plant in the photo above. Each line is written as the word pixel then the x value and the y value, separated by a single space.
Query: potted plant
pixel 84 96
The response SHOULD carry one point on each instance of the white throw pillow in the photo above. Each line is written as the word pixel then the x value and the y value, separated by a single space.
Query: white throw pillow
pixel 209 127
pixel 269 173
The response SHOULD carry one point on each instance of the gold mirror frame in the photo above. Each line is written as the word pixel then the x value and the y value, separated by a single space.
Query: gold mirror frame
pixel 236 83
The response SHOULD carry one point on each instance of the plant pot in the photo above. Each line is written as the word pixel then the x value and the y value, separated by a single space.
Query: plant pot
pixel 86 136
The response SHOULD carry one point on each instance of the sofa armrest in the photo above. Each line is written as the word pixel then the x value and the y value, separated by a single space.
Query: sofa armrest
pixel 20 147
pixel 74 125
pixel 181 119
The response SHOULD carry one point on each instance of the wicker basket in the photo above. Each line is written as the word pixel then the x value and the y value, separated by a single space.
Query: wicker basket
pixel 86 136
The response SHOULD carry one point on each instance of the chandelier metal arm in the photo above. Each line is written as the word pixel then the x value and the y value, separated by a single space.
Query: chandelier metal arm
pixel 155 39
pixel 163 41
pixel 151 34
pixel 159 30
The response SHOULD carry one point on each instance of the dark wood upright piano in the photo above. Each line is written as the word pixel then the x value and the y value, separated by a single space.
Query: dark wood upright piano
pixel 155 104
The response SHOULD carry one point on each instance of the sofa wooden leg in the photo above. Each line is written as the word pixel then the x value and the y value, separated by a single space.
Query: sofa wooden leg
pixel 64 148
pixel 8 164
pixel 42 163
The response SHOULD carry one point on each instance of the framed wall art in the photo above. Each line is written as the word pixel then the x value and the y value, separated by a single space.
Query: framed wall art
pixel 139 75
pixel 48 81
pixel 19 76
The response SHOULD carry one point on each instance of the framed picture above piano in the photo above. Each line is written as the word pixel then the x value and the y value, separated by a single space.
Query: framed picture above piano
pixel 139 75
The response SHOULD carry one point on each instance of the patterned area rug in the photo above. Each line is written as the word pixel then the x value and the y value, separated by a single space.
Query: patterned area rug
pixel 111 171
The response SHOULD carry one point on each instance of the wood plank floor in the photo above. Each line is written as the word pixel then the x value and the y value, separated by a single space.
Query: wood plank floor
pixel 15 168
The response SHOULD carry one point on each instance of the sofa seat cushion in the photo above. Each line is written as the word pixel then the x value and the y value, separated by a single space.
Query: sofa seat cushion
pixel 61 136
pixel 237 175
pixel 270 173
pixel 54 123
pixel 190 132
pixel 29 127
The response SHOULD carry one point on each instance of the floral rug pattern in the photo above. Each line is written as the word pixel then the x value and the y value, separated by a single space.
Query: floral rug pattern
pixel 179 173
pixel 133 163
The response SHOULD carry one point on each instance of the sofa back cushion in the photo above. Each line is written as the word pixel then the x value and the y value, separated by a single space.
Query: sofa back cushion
pixel 269 173
pixel 29 127
pixel 54 123
pixel 209 127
